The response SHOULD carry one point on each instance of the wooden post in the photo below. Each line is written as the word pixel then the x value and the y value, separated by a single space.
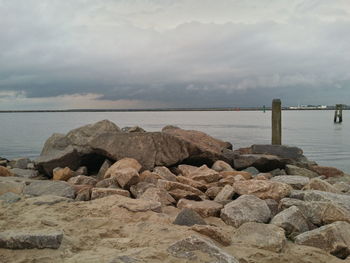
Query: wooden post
pixel 276 122
pixel 338 113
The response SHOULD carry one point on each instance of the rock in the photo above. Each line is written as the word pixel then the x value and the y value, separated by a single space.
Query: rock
pixel 314 195
pixel 188 181
pixel 327 171
pixel 103 169
pixel 318 184
pixel 11 186
pixel 277 172
pixel 267 237
pixel 10 197
pixel 187 247
pixel 252 170
pixel 149 177
pixel 31 166
pixel 47 200
pixel 292 220
pixel 105 141
pixel 186 170
pixel 140 205
pixel 82 179
pixel 283 151
pixel 62 174
pixel 158 195
pixel 295 181
pixel 26 173
pixel 57 188
pixel 295 170
pixel 204 174
pixel 205 208
pixel 5 172
pixel 273 206
pixel 14 239
pixel 213 191
pixel 123 164
pixel 125 177
pixel 225 194
pixel 263 176
pixel 342 187
pixel 245 175
pixel 3 162
pixel 103 192
pixel 262 162
pixel 262 189
pixel 83 194
pixel 214 233
pixel 333 238
pixel 221 166
pixel 108 183
pixel 138 189
pixel 246 208
pixel 173 187
pixel 133 129
pixel 20 163
pixel 188 217
pixel 165 173
pixel 82 170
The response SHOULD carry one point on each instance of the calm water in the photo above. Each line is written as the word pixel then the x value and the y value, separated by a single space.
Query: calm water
pixel 23 134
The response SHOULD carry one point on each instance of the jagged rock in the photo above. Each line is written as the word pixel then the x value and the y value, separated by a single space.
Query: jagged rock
pixel 123 164
pixel 26 173
pixel 327 171
pixel 133 129
pixel 205 208
pixel 149 177
pixel 190 182
pixel 159 195
pixel 268 237
pixel 82 179
pixel 213 191
pixel 333 238
pixel 295 170
pixel 20 163
pixel 263 162
pixel 246 208
pixel 262 189
pixel 342 187
pixel 125 177
pixel 3 162
pixel 15 239
pixel 103 192
pixel 83 194
pixel 138 189
pixel 57 188
pixel 5 172
pixel 292 220
pixel 187 247
pixel 188 217
pixel 273 206
pixel 186 169
pixel 221 166
pixel 82 170
pixel 107 183
pixel 165 173
pixel 104 140
pixel 178 190
pixel 321 185
pixel 225 194
pixel 314 195
pixel 295 181
pixel 62 174
pixel 10 197
pixel 245 175
pixel 47 200
pixel 204 174
pixel 214 233
pixel 283 151
pixel 140 205
pixel 103 169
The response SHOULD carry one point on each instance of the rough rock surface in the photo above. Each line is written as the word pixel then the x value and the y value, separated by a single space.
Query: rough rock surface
pixel 321 185
pixel 263 162
pixel 103 192
pixel 62 174
pixel 327 171
pixel 26 173
pixel 82 179
pixel 158 195
pixel 295 170
pixel 205 208
pixel 221 166
pixel 225 194
pixel 214 233
pixel 188 217
pixel 295 181
pixel 49 188
pixel 5 172
pixel 246 208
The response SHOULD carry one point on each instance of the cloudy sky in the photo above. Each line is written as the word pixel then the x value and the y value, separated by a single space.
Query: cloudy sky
pixel 64 54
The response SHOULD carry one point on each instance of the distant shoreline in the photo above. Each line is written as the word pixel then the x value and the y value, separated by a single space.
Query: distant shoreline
pixel 162 110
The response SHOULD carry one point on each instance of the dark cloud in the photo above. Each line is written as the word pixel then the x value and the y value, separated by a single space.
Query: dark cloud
pixel 207 55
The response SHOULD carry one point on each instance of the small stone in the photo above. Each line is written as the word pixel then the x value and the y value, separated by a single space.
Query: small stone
pixel 126 177
pixel 225 194
pixel 165 173
pixel 186 170
pixel 295 181
pixel 158 195
pixel 107 183
pixel 213 191
pixel 221 166
pixel 188 217
pixel 252 170
pixel 82 179
pixel 62 174
pixel 84 194
pixel 140 205
pixel 174 187
pixel 205 174
pixel 205 208
pixel 327 171
pixel 214 233
pixel 295 170
pixel 273 206
pixel 190 182
pixel 82 170
pixel 103 192
pixel 103 169
pixel 149 177
pixel 124 163
pixel 138 189
pixel 245 175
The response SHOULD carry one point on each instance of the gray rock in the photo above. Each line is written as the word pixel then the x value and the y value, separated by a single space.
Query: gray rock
pixel 124 259
pixel 262 162
pixel 82 170
pixel 82 179
pixel 246 208
pixel 342 187
pixel 295 170
pixel 27 173
pixel 133 129
pixel 14 239
pixel 273 206
pixel 47 200
pixel 295 181
pixel 251 170
pixel 268 237
pixel 187 247
pixel 225 194
pixel 165 173
pixel 57 188
pixel 10 197
pixel 12 186
pixel 277 172
pixel 314 195
pixel 188 217
pixel 103 169
pixel 138 189
pixel 283 151
pixel 333 238
pixel 20 163
pixel 292 220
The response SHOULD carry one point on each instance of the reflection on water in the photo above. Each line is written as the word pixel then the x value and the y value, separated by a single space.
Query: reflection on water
pixel 23 134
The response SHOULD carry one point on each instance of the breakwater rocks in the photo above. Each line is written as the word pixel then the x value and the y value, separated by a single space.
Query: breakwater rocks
pixel 104 194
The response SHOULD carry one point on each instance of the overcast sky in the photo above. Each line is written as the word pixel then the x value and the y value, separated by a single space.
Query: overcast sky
pixel 63 54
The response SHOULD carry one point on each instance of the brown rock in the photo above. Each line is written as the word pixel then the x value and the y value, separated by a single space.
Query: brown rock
pixel 102 192
pixel 165 173
pixel 186 170
pixel 5 172
pixel 140 205
pixel 82 179
pixel 321 185
pixel 124 163
pixel 158 195
pixel 263 189
pixel 126 177
pixel 170 186
pixel 108 183
pixel 138 189
pixel 193 183
pixel 246 175
pixel 62 174
pixel 205 174
pixel 205 208
pixel 84 194
pixel 149 177
pixel 327 171
pixel 221 166
pixel 229 180
pixel 225 194
pixel 213 191
pixel 213 232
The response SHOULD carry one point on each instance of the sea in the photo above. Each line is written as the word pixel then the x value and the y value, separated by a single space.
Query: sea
pixel 23 134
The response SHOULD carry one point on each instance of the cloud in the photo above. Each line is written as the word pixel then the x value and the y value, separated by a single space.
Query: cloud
pixel 174 53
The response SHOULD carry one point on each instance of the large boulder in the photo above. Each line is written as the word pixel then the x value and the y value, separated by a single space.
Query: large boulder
pixel 246 208
pixel 333 238
pixel 91 144
pixel 263 162
pixel 283 151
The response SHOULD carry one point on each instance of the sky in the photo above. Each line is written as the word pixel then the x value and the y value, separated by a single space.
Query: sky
pixel 70 54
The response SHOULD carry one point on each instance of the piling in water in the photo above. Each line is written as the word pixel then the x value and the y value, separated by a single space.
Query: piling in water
pixel 276 122
pixel 338 114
